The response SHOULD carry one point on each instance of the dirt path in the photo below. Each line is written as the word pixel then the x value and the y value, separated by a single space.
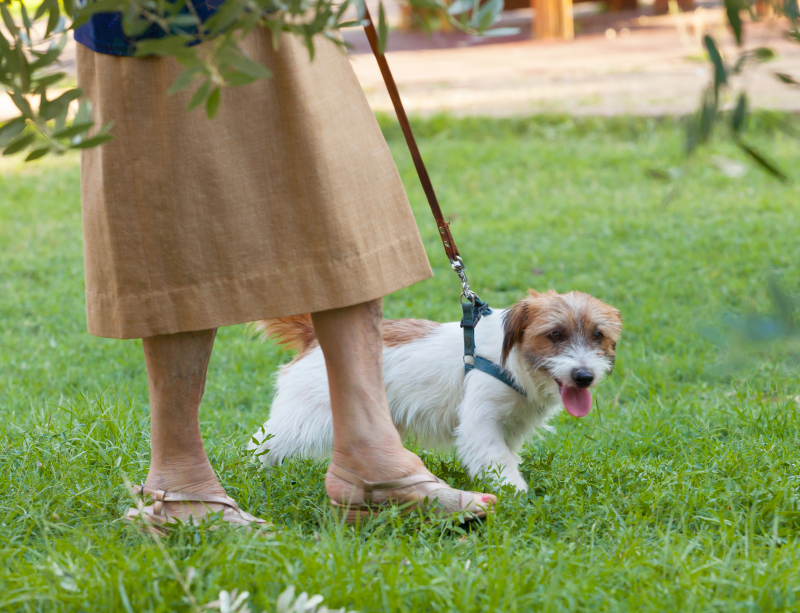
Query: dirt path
pixel 654 68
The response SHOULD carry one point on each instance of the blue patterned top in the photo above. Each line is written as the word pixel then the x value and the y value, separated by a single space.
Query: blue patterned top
pixel 103 32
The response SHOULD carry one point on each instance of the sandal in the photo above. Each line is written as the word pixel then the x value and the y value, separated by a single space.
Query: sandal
pixel 417 491
pixel 154 516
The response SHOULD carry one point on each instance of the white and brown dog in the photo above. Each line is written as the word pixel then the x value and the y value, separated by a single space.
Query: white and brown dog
pixel 554 346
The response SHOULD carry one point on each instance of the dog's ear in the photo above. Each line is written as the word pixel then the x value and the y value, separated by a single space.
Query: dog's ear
pixel 515 321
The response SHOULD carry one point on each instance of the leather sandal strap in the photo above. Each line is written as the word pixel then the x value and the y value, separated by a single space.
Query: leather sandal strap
pixel 162 496
pixel 371 486
pixel 405 482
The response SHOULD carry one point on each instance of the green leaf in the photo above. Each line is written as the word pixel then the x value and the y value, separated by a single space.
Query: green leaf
pixel 26 20
pixel 212 104
pixel 360 9
pixel 83 16
pixel 232 56
pixel 732 8
pixel 45 6
pixel 224 17
pixel 764 54
pixel 54 22
pixel 84 114
pixel 167 46
pixel 11 129
pixel 37 153
pixel 18 144
pixel 739 114
pixel 460 6
pixel 8 20
pixel 788 79
pixel 182 81
pixel 184 21
pixel 61 121
pixel 133 22
pixel 5 47
pixel 700 126
pixel 47 81
pixel 73 130
pixel 708 116
pixel 383 29
pixel 762 161
pixel 21 103
pixel 199 96
pixel 720 76
pixel 234 78
pixel 502 32
pixel 487 15
pixel 658 174
pixel 92 142
pixel 51 109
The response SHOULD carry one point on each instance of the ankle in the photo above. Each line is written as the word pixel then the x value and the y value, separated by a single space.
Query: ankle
pixel 371 464
pixel 198 479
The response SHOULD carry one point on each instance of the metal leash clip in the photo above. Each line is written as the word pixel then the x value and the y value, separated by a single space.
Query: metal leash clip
pixel 466 292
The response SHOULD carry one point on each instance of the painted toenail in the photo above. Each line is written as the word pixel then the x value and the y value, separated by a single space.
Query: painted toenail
pixel 487 499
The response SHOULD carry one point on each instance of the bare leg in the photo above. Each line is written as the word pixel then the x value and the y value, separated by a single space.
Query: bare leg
pixel 176 373
pixel 365 440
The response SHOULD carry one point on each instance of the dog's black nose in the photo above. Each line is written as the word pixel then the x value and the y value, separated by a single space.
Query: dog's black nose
pixel 583 377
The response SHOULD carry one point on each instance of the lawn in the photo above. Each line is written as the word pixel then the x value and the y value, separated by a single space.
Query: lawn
pixel 678 492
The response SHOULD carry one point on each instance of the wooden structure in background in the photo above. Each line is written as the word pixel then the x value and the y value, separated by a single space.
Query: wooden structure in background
pixel 553 19
pixel 661 7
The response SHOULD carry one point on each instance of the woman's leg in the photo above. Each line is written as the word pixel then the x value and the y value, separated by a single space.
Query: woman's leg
pixel 176 374
pixel 365 440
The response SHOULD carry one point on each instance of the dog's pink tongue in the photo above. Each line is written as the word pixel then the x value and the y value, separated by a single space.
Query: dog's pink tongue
pixel 577 400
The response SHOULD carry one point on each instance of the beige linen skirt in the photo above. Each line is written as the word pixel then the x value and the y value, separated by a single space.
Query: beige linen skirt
pixel 287 202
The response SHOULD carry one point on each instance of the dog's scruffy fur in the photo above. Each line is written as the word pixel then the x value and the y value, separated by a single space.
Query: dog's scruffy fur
pixel 554 345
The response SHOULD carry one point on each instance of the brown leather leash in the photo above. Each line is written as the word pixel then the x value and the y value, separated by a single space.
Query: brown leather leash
pixel 444 227
pixel 473 309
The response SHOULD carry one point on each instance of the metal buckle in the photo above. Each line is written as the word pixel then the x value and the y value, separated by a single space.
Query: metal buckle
pixel 460 269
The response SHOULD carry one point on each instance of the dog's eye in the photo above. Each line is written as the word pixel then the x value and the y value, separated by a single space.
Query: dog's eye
pixel 555 335
pixel 598 336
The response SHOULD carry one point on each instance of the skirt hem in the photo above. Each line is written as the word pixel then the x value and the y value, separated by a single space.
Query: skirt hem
pixel 253 298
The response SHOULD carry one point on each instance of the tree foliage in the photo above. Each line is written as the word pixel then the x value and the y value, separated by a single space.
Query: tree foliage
pixel 725 80
pixel 31 44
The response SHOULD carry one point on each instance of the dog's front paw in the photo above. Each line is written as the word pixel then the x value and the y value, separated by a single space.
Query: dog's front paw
pixel 513 479
pixel 519 484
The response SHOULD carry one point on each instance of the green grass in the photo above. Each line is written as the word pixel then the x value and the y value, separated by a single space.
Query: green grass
pixel 678 492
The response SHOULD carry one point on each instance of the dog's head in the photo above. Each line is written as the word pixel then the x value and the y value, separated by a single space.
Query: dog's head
pixel 569 338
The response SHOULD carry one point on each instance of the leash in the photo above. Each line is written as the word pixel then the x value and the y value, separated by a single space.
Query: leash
pixel 473 308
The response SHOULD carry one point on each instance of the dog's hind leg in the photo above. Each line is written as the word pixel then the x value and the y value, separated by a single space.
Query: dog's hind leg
pixel 300 423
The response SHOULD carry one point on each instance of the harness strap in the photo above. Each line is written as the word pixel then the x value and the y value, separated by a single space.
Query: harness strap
pixel 496 371
pixel 473 311
pixel 472 315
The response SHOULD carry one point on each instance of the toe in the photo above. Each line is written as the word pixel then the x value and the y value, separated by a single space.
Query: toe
pixel 486 502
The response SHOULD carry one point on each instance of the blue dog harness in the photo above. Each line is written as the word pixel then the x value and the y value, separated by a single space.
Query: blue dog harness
pixel 473 311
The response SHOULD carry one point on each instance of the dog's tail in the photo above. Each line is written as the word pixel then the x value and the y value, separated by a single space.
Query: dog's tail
pixel 295 332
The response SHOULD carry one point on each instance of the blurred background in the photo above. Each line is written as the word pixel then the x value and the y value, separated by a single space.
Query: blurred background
pixel 623 57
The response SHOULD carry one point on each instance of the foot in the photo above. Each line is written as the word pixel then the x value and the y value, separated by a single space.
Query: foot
pixel 198 480
pixel 377 464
